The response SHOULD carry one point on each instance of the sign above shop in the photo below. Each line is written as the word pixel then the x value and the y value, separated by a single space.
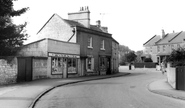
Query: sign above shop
pixel 63 55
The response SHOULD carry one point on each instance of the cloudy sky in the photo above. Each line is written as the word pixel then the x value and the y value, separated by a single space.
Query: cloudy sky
pixel 131 22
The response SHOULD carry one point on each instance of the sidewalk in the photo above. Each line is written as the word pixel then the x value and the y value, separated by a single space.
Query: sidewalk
pixel 23 95
pixel 163 88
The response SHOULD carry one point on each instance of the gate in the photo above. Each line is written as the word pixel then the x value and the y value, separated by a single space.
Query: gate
pixel 24 69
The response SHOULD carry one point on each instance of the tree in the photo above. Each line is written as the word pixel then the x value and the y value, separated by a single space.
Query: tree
pixel 131 57
pixel 123 50
pixel 139 54
pixel 11 35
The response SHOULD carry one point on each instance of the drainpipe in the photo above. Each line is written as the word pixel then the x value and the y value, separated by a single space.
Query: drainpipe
pixel 72 34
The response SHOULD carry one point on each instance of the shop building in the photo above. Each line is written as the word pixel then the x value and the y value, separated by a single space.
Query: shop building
pixel 50 58
pixel 72 47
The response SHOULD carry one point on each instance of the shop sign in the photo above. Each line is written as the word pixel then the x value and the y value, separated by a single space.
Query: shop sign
pixel 63 55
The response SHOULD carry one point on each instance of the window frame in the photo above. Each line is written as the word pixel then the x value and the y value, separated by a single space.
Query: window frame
pixel 102 46
pixel 90 42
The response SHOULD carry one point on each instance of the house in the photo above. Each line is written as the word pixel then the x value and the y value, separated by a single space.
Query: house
pixel 115 56
pixel 163 45
pixel 160 47
pixel 150 48
pixel 72 47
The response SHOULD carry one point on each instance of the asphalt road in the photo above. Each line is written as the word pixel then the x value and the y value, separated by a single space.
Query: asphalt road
pixel 121 92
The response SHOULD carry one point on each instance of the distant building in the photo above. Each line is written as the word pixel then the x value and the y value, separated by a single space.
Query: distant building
pixel 164 45
pixel 72 47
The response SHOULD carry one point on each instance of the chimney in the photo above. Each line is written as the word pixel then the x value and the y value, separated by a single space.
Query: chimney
pixel 83 16
pixel 163 33
pixel 98 23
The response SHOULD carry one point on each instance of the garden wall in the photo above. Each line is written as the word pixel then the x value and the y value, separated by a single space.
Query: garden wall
pixel 171 76
pixel 145 65
pixel 8 70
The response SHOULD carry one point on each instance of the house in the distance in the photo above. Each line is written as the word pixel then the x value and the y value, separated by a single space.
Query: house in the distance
pixel 160 48
pixel 73 47
pixel 150 48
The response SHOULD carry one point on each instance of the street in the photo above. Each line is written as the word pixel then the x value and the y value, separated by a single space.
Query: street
pixel 121 92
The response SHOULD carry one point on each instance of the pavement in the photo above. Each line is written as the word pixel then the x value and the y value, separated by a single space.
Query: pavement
pixel 26 94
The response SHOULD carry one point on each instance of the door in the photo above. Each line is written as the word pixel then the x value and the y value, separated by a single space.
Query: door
pixel 108 66
pixel 24 69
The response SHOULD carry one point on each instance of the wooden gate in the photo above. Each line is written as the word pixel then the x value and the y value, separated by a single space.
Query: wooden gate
pixel 24 69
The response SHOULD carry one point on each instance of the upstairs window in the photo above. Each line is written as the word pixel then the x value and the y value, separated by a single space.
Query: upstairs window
pixel 102 45
pixel 164 48
pixel 89 44
pixel 158 48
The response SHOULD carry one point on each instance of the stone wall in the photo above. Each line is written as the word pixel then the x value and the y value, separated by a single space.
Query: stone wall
pixel 8 70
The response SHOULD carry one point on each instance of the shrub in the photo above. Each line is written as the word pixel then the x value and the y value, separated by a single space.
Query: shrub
pixel 177 57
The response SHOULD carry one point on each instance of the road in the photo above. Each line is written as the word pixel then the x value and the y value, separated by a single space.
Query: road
pixel 121 92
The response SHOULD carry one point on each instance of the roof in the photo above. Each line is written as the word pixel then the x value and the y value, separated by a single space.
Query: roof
pixel 167 38
pixel 178 38
pixel 73 23
pixel 115 40
pixel 152 40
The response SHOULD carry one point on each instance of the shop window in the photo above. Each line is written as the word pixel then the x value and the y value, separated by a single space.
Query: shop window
pixel 90 64
pixel 57 66
pixel 102 62
pixel 72 65
pixel 102 45
pixel 89 45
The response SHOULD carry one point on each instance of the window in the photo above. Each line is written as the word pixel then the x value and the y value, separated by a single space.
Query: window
pixel 90 64
pixel 150 49
pixel 158 48
pixel 172 47
pixel 102 62
pixel 164 48
pixel 102 45
pixel 72 65
pixel 56 66
pixel 89 44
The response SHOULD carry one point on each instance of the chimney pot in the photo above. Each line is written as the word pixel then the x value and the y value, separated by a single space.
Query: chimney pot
pixel 98 23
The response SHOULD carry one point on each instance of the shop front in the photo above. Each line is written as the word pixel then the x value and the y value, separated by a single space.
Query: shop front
pixel 105 65
pixel 65 65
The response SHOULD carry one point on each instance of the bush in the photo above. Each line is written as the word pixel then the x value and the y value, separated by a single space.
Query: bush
pixel 177 57
pixel 148 60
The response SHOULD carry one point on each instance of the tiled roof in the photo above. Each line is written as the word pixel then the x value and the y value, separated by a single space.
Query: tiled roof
pixel 152 40
pixel 73 23
pixel 167 38
pixel 179 38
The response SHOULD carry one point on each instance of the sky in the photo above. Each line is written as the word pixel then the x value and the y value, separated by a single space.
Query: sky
pixel 131 22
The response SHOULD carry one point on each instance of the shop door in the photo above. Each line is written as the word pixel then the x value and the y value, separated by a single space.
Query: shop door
pixel 108 66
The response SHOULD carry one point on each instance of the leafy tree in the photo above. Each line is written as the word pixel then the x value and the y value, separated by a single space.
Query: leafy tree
pixel 123 50
pixel 139 54
pixel 11 35
pixel 131 57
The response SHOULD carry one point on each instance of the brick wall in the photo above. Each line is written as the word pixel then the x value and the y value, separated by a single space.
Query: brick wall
pixel 8 70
